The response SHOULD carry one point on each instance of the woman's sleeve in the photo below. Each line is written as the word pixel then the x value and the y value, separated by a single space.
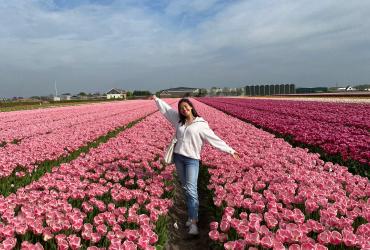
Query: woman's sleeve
pixel 208 135
pixel 171 115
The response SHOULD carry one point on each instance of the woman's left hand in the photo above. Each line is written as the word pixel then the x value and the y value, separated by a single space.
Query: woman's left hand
pixel 236 156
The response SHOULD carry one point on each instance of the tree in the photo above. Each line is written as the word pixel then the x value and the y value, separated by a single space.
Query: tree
pixel 362 86
pixel 226 91
pixel 215 91
pixel 202 92
pixel 141 93
pixel 82 94
pixel 239 91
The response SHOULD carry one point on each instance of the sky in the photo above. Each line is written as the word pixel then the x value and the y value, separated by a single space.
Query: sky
pixel 96 45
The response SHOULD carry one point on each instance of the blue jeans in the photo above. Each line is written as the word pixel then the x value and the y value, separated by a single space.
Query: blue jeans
pixel 188 170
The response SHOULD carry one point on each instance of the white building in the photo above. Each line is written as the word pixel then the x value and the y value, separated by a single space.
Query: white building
pixel 66 97
pixel 348 88
pixel 117 94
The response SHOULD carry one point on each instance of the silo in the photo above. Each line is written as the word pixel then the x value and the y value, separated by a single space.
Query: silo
pixel 262 90
pixel 247 90
pixel 253 91
pixel 281 89
pixel 272 89
pixel 257 90
pixel 287 89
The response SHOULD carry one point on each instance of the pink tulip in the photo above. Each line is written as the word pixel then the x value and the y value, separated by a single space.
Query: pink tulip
pixel 278 246
pixel 320 247
pixel 253 239
pixel 153 238
pixel 9 243
pixel 95 248
pixel 294 247
pixel 129 245
pixel 115 242
pixel 131 235
pixel 62 244
pixel 47 235
pixel 222 237
pixel 335 238
pixel 224 225
pixel 95 237
pixel 324 237
pixel 349 238
pixel 308 246
pixel 74 242
pixel 267 242
pixel 21 229
pixel 214 235
pixel 230 245
pixel 102 229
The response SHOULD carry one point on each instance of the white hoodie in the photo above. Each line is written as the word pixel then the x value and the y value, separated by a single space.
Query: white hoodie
pixel 190 138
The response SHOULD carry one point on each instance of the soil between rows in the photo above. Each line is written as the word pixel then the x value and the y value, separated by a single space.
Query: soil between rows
pixel 179 239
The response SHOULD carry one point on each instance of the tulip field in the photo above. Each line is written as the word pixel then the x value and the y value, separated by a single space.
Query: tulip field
pixel 29 137
pixel 340 130
pixel 282 197
pixel 118 194
pixel 114 196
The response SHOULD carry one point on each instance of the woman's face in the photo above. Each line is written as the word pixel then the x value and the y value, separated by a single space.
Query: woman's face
pixel 185 109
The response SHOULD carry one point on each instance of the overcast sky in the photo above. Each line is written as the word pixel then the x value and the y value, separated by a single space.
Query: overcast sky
pixel 95 45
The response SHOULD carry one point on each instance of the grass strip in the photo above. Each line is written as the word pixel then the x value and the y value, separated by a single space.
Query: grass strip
pixel 9 185
pixel 161 229
pixel 214 213
pixel 16 106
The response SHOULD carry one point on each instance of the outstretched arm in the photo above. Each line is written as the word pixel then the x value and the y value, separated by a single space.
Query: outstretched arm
pixel 210 136
pixel 171 115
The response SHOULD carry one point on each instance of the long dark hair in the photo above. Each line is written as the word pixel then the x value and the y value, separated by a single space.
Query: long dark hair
pixel 193 111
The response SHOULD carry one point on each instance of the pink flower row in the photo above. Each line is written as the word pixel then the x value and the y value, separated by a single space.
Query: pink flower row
pixel 68 133
pixel 347 114
pixel 119 183
pixel 18 125
pixel 277 196
pixel 337 128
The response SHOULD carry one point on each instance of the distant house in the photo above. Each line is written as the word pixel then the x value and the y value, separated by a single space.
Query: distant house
pixel 179 92
pixel 66 96
pixel 116 94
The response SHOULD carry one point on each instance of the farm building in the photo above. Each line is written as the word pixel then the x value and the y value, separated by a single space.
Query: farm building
pixel 116 94
pixel 179 92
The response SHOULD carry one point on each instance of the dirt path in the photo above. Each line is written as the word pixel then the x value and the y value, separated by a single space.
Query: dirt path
pixel 179 238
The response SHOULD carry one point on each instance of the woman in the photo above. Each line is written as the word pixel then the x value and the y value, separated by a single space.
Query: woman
pixel 191 131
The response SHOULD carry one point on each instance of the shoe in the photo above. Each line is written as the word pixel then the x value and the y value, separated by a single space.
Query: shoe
pixel 193 229
pixel 188 222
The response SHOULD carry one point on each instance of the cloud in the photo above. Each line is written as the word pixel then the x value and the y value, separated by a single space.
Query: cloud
pixel 136 44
